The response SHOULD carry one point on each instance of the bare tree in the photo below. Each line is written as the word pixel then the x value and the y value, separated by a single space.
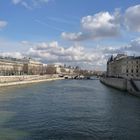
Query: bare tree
pixel 50 69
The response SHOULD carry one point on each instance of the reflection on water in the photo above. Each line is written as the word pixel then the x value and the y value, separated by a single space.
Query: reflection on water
pixel 9 133
pixel 68 110
pixel 5 116
pixel 6 133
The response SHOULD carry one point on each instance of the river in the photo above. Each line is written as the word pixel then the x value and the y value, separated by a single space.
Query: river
pixel 68 110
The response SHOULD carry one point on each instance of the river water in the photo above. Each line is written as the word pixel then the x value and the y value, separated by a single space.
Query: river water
pixel 68 110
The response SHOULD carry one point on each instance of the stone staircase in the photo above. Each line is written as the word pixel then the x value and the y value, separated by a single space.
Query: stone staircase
pixel 134 86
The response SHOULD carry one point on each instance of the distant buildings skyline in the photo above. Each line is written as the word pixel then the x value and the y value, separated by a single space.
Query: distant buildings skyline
pixel 83 33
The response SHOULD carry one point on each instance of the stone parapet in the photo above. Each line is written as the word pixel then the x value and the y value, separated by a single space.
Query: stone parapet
pixel 16 80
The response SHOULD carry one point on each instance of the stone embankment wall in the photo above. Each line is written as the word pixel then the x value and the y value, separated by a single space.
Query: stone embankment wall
pixel 115 82
pixel 7 79
pixel 132 87
pixel 25 79
pixel 137 82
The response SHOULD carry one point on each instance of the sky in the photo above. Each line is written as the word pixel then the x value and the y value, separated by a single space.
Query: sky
pixel 73 32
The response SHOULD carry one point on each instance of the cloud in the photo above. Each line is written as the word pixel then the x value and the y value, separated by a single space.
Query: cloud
pixel 30 4
pixel 11 54
pixel 133 48
pixel 99 26
pixel 52 52
pixel 132 18
pixel 3 24
pixel 74 36
pixel 102 25
pixel 16 1
pixel 135 45
pixel 107 25
pixel 26 5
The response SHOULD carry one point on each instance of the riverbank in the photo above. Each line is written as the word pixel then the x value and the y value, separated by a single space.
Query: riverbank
pixel 130 85
pixel 26 79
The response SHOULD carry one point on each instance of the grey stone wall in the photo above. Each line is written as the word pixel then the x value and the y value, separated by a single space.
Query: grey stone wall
pixel 8 79
pixel 115 82
pixel 123 84
pixel 137 82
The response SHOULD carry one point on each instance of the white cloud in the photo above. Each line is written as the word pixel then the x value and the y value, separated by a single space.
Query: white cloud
pixel 100 21
pixel 30 4
pixel 93 58
pixel 99 26
pixel 134 47
pixel 107 25
pixel 132 18
pixel 12 54
pixel 52 52
pixel 3 24
pixel 74 36
pixel 9 45
pixel 26 5
pixel 16 1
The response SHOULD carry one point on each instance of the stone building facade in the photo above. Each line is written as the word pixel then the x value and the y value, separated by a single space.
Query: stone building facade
pixel 123 66
pixel 13 66
pixel 32 67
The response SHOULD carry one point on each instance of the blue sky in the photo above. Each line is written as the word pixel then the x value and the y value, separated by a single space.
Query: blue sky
pixel 75 32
